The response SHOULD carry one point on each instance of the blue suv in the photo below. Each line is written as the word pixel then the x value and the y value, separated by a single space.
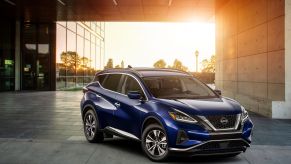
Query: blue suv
pixel 169 111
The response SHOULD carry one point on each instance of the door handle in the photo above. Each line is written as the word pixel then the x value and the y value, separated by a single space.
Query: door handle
pixel 117 104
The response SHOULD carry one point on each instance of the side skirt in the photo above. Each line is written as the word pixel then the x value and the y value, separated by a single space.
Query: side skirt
pixel 120 133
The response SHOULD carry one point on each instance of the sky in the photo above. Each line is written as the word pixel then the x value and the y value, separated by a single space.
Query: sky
pixel 141 44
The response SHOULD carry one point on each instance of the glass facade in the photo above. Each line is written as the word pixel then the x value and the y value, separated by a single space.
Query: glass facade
pixel 36 56
pixel 7 62
pixel 79 53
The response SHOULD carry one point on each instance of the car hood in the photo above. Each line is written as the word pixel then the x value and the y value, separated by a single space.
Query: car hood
pixel 212 106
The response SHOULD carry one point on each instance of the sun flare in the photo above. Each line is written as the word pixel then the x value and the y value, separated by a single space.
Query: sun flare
pixel 141 44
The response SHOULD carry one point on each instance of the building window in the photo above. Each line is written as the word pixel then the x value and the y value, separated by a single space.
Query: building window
pixel 80 30
pixel 87 34
pixel 61 47
pixel 79 53
pixel 7 36
pixel 93 57
pixel 71 41
pixel 71 26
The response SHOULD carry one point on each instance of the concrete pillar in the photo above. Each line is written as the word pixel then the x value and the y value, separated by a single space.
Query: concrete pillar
pixel 17 55
pixel 282 109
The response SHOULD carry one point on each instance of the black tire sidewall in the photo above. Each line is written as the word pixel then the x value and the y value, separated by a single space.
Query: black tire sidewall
pixel 98 136
pixel 144 134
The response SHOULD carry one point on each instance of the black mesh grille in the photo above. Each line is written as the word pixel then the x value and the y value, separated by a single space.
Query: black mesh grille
pixel 222 145
pixel 222 121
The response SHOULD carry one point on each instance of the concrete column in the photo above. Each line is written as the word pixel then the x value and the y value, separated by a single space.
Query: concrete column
pixel 282 109
pixel 17 55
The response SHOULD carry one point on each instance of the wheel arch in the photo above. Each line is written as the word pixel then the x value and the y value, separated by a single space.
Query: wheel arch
pixel 151 120
pixel 87 107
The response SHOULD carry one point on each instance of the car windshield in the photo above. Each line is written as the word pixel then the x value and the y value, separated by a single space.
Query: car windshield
pixel 178 87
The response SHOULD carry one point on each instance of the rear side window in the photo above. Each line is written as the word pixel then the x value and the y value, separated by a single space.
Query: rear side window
pixel 111 82
pixel 101 78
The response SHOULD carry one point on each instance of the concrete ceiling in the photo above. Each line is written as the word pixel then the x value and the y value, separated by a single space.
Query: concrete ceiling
pixel 109 10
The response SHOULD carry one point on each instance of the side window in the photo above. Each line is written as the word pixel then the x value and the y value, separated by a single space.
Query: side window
pixel 101 79
pixel 111 82
pixel 131 85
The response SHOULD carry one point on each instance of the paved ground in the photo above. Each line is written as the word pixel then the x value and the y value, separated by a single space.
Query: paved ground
pixel 45 127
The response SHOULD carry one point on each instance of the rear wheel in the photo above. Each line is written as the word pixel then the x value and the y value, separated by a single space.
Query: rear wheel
pixel 91 127
pixel 155 142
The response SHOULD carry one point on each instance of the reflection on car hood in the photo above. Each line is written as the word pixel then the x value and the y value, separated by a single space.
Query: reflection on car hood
pixel 212 106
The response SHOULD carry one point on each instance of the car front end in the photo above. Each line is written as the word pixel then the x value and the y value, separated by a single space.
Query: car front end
pixel 197 119
pixel 213 134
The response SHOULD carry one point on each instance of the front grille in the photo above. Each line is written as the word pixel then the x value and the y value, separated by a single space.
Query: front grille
pixel 222 121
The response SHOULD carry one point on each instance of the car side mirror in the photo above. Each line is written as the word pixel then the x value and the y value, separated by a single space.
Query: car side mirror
pixel 218 91
pixel 134 95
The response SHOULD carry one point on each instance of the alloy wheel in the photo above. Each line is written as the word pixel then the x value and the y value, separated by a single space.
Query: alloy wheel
pixel 90 125
pixel 156 142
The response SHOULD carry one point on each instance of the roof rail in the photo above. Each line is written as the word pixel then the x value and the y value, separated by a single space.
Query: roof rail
pixel 133 70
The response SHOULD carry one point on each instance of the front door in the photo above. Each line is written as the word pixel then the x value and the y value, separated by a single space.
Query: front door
pixel 128 113
pixel 35 57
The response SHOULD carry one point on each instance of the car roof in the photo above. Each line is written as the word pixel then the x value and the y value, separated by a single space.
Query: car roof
pixel 147 72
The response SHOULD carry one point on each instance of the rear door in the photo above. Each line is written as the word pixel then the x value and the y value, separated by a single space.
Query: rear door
pixel 107 92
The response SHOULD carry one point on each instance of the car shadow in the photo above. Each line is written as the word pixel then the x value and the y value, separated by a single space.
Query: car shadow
pixel 134 147
pixel 125 145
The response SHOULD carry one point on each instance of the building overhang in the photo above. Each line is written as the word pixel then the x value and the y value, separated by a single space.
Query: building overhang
pixel 109 10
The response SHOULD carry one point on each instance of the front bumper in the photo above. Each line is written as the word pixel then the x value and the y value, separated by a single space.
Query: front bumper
pixel 214 147
pixel 199 141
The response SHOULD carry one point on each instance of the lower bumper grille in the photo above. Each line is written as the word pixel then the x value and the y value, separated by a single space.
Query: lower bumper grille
pixel 222 145
pixel 216 146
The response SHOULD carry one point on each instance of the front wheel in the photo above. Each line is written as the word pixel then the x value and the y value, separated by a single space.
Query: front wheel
pixel 155 142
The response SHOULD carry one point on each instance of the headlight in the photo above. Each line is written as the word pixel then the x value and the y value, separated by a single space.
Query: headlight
pixel 244 114
pixel 182 117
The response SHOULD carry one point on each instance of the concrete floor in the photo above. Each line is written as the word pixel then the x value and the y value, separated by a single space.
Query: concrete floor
pixel 46 127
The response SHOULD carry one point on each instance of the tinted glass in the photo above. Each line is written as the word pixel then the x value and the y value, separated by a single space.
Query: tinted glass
pixel 178 87
pixel 99 78
pixel 7 56
pixel 131 85
pixel 111 82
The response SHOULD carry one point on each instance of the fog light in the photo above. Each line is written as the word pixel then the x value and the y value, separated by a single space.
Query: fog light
pixel 181 137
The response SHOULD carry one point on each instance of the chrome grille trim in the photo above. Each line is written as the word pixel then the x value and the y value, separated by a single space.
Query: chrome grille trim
pixel 238 117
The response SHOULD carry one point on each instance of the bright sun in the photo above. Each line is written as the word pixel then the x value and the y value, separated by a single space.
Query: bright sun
pixel 141 44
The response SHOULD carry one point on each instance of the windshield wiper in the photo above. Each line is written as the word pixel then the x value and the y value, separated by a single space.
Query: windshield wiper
pixel 186 97
pixel 190 92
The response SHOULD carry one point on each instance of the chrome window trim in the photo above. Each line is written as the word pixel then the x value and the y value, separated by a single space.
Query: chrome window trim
pixel 122 73
pixel 238 116
pixel 193 147
pixel 121 132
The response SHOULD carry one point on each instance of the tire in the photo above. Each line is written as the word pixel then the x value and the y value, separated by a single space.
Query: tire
pixel 155 142
pixel 91 127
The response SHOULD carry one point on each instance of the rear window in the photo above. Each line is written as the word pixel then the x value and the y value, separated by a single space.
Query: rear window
pixel 111 82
